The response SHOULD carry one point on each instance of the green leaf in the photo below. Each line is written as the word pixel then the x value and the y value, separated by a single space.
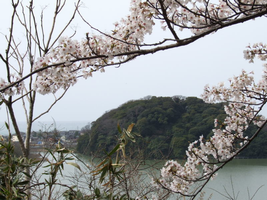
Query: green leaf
pixel 97 192
pixel 16 181
pixel 47 166
pixel 51 153
pixel 48 183
pixel 114 150
pixel 26 174
pixel 103 174
pixel 69 158
pixel 122 197
pixel 15 191
pixel 23 183
pixel 7 126
pixel 13 167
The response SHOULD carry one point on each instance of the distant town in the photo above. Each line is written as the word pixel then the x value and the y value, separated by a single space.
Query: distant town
pixel 42 140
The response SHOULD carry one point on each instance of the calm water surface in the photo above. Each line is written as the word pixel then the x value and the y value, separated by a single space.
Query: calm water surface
pixel 239 180
pixel 247 175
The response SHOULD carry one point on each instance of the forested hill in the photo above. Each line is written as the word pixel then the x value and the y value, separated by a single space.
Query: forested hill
pixel 166 125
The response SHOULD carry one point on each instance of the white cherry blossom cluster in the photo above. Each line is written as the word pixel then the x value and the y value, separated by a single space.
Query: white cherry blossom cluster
pixel 15 90
pixel 245 100
pixel 198 15
pixel 127 35
pixel 258 49
pixel 179 178
pixel 202 15
pixel 100 49
pixel 71 58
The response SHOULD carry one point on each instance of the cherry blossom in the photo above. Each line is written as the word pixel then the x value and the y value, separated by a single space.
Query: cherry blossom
pixel 258 49
pixel 17 89
pixel 245 98
pixel 70 59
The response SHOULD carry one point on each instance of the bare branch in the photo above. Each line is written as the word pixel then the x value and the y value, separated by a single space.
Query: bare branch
pixel 51 106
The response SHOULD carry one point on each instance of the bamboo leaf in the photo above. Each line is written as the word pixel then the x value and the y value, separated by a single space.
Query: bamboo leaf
pixel 23 183
pixel 119 128
pixel 123 196
pixel 104 173
pixel 114 150
pixel 130 127
pixel 98 171
pixel 26 174
pixel 15 191
pixel 64 150
pixel 106 184
pixel 104 161
pixel 69 158
pixel 137 134
pixel 7 126
pixel 97 192
pixel 48 181
pixel 47 166
pixel 51 153
pixel 74 164
pixel 129 135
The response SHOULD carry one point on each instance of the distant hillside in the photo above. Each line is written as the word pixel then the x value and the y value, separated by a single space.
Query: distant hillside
pixel 166 124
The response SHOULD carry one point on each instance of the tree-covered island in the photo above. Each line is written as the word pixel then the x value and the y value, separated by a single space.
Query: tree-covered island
pixel 166 126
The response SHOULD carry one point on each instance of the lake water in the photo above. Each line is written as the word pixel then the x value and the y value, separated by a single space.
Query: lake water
pixel 247 175
pixel 240 179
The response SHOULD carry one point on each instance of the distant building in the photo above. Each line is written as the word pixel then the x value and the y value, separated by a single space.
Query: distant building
pixel 14 138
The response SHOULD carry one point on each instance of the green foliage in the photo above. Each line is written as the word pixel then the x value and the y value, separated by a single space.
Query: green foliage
pixel 60 156
pixel 13 176
pixel 112 172
pixel 15 182
pixel 72 194
pixel 166 124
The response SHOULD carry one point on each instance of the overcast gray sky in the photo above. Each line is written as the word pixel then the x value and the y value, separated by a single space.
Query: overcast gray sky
pixel 182 71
